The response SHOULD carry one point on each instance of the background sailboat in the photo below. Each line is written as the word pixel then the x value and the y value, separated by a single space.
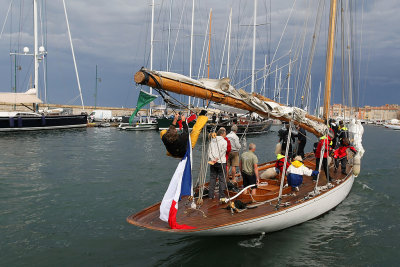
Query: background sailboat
pixel 37 120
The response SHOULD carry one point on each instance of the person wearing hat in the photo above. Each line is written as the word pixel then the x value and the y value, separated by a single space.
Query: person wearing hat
pixel 296 171
pixel 233 159
pixel 326 142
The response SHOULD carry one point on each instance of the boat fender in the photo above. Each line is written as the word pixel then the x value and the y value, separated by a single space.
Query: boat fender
pixel 268 173
pixel 356 165
pixel 329 161
pixel 278 148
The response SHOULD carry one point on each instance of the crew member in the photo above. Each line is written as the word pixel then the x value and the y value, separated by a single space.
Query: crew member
pixel 296 171
pixel 249 168
pixel 228 147
pixel 233 159
pixel 324 141
pixel 340 154
pixel 283 137
pixel 214 118
pixel 217 155
pixel 280 161
pixel 176 143
pixel 343 132
pixel 301 141
pixel 334 129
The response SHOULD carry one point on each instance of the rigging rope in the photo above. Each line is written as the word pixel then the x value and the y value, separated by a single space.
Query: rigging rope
pixel 5 20
pixel 284 166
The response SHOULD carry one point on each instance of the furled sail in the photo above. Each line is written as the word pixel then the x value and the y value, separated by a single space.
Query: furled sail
pixel 221 91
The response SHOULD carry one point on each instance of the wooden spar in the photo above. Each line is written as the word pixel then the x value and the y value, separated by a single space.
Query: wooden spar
pixel 329 58
pixel 142 77
pixel 308 116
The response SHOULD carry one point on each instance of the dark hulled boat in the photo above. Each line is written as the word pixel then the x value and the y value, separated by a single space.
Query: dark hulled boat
pixel 246 126
pixel 26 121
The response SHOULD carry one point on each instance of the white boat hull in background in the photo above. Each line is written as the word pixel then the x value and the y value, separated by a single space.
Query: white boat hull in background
pixel 392 126
pixel 286 218
pixel 138 127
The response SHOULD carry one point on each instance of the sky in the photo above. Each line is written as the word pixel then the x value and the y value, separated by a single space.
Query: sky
pixel 115 36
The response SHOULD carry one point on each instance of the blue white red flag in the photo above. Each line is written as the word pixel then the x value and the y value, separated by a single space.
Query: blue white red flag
pixel 180 185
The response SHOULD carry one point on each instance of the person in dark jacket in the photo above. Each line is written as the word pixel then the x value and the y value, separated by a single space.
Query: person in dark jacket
pixel 340 154
pixel 283 137
pixel 301 141
pixel 333 130
pixel 343 132
pixel 214 118
pixel 176 143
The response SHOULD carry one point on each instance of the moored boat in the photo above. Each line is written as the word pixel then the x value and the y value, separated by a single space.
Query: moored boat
pixel 30 121
pixel 244 126
pixel 392 126
pixel 35 119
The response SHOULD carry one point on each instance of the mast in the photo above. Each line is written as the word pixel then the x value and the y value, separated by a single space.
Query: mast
pixel 280 86
pixel 35 48
pixel 318 100
pixel 95 91
pixel 191 48
pixel 169 34
pixel 229 44
pixel 329 58
pixel 276 77
pixel 288 84
pixel 151 46
pixel 264 74
pixel 253 66
pixel 209 46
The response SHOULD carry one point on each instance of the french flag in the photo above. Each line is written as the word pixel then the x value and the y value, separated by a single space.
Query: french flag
pixel 180 185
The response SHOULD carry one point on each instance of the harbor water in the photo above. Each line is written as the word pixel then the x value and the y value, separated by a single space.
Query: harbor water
pixel 65 196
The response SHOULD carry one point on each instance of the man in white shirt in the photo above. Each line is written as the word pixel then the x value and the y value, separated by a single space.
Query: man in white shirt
pixel 217 156
pixel 233 160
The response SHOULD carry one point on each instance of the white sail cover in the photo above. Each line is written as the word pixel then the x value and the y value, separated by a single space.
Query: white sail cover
pixel 29 97
pixel 223 86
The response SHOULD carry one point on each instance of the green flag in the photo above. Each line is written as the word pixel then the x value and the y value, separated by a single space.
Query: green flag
pixel 144 99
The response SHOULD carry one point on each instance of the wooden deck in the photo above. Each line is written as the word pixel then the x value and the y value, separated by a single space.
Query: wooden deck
pixel 212 214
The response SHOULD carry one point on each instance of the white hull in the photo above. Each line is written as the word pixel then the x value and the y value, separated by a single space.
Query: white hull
pixel 139 127
pixel 391 126
pixel 294 215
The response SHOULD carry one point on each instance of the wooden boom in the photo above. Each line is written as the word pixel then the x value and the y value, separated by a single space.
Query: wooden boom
pixel 155 81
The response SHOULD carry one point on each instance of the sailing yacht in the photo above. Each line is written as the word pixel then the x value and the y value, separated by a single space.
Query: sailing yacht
pixel 274 206
pixel 393 124
pixel 29 121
